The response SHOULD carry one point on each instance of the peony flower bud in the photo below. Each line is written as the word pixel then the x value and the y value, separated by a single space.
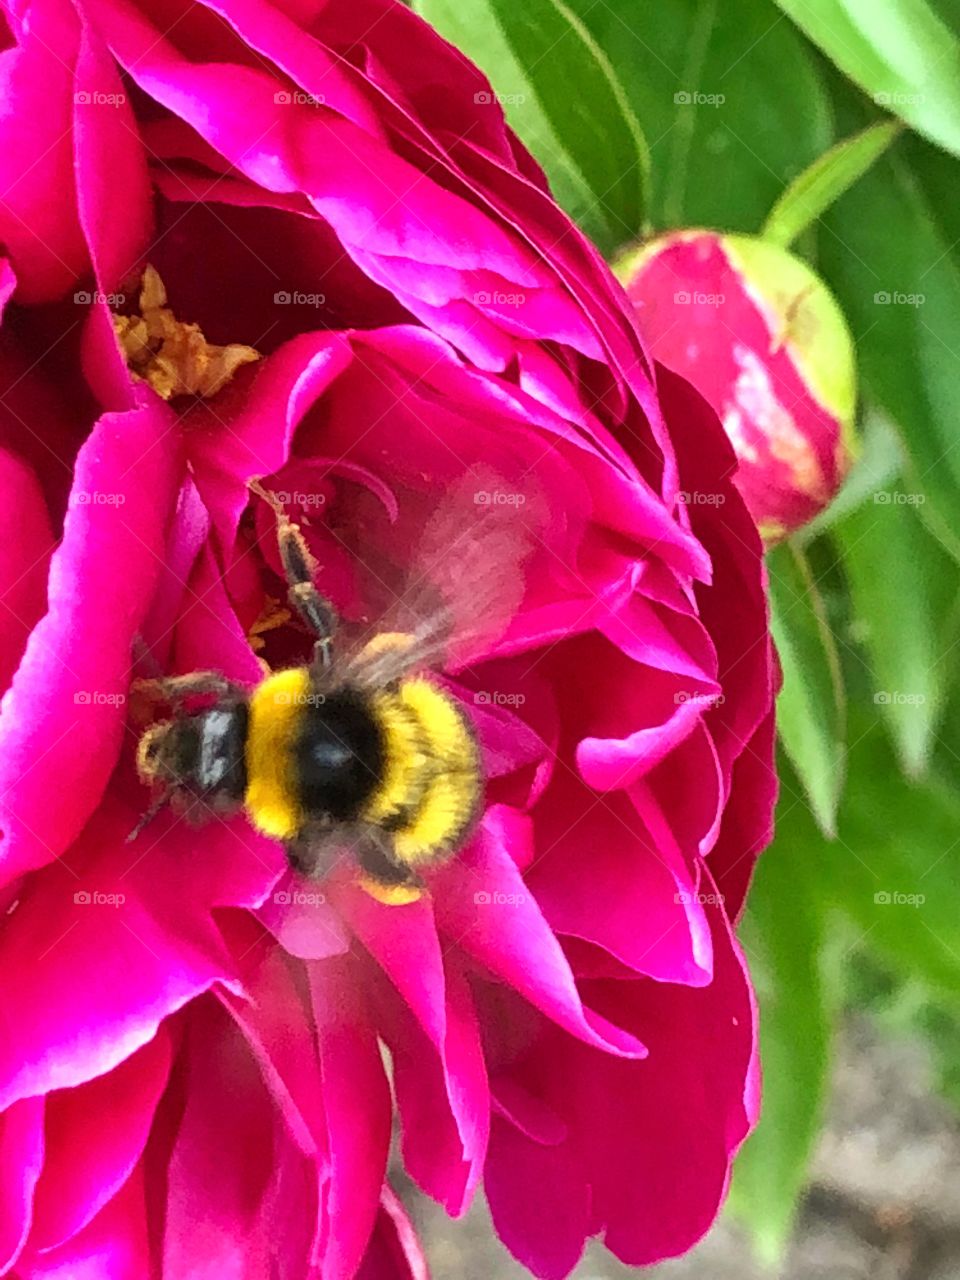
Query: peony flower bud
pixel 764 342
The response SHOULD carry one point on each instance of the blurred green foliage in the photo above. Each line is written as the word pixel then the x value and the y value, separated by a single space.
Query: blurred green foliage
pixel 731 114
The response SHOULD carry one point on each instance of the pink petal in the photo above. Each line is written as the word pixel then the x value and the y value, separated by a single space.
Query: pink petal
pixel 21 1158
pixel 733 607
pixel 175 592
pixel 600 876
pixel 109 158
pixel 96 1134
pixel 303 922
pixel 688 784
pixel 148 935
pixel 747 826
pixel 206 632
pixel 42 235
pixel 394 1252
pixel 485 907
pixel 539 1200
pixel 249 435
pixel 8 283
pixel 608 763
pixel 358 1107
pixel 26 541
pixel 439 1074
pixel 114 1246
pixel 649 1138
pixel 74 675
pixel 526 1112
pixel 222 1160
pixel 443 129
pixel 637 716
pixel 662 1143
pixel 272 1015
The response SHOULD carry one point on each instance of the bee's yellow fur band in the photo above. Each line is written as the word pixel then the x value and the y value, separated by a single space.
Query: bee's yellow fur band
pixel 391 895
pixel 276 716
pixel 440 806
pixel 406 761
pixel 430 784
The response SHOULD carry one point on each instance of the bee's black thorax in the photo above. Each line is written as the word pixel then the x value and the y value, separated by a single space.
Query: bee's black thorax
pixel 208 751
pixel 338 756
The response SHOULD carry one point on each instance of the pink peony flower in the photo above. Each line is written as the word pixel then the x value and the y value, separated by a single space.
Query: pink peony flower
pixel 388 309
pixel 764 342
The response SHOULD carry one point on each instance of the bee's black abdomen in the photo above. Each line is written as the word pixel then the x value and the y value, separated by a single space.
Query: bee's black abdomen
pixel 217 744
pixel 339 756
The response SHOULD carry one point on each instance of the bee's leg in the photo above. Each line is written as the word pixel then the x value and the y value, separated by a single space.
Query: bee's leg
pixel 299 568
pixel 317 612
pixel 176 688
pixel 159 802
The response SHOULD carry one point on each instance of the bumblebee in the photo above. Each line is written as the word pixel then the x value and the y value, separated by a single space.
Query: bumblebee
pixel 359 751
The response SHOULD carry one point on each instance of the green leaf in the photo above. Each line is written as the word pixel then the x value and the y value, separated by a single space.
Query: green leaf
pixel 717 85
pixel 562 96
pixel 949 11
pixel 818 187
pixel 903 586
pixel 894 869
pixel 938 1021
pixel 899 52
pixel 810 708
pixel 896 276
pixel 885 891
pixel 782 933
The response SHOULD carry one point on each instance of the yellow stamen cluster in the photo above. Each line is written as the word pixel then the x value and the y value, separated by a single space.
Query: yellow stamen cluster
pixel 173 356
pixel 272 616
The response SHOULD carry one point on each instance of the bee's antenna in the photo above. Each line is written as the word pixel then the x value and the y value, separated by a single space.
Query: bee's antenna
pixel 158 804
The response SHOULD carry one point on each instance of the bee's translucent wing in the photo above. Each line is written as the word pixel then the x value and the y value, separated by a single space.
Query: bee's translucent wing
pixel 449 580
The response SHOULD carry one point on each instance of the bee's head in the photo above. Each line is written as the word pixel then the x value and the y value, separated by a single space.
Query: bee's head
pixel 155 752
